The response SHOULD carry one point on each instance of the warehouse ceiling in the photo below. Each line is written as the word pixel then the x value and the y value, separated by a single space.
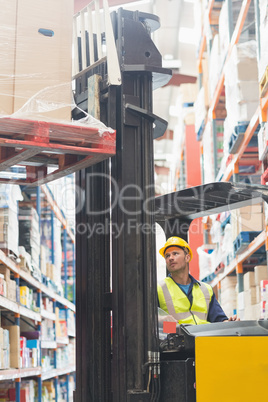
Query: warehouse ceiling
pixel 176 41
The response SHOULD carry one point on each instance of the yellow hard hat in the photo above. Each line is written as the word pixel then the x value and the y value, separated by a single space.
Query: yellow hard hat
pixel 175 241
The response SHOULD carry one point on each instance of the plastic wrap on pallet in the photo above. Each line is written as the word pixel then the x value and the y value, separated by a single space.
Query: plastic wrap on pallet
pixel 263 60
pixel 36 71
pixel 246 34
pixel 241 83
pixel 36 50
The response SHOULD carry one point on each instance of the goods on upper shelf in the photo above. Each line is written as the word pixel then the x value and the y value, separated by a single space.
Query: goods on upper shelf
pixel 227 23
pixel 29 235
pixel 9 230
pixel 230 233
pixel 241 89
pixel 263 57
pixel 251 303
pixel 247 219
pixel 215 65
pixel 51 264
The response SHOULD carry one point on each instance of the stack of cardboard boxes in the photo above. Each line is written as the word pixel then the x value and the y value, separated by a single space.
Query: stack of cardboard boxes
pixel 250 302
pixel 8 287
pixel 241 90
pixel 224 28
pixel 228 295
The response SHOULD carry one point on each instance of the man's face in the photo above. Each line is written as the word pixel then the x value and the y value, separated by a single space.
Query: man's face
pixel 176 259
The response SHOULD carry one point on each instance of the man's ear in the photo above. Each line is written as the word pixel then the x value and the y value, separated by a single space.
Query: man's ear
pixel 187 257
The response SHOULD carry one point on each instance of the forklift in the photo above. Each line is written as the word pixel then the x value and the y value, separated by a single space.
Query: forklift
pixel 119 356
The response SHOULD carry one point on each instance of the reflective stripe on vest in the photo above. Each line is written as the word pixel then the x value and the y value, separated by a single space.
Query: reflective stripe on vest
pixel 186 314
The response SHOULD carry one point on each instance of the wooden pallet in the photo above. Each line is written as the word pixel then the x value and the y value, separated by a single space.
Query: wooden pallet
pixel 37 145
pixel 263 86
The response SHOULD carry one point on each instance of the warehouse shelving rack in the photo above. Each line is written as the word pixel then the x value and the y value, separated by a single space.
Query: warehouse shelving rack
pixel 20 311
pixel 232 169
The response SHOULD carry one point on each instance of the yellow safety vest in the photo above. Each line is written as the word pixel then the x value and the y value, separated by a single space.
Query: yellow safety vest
pixel 175 302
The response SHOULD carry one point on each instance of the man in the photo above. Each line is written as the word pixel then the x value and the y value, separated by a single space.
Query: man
pixel 180 295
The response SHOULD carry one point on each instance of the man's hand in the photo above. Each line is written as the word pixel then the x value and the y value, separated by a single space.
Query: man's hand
pixel 232 318
pixel 169 318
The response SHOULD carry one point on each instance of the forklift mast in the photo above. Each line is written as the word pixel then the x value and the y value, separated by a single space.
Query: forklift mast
pixel 116 257
pixel 117 352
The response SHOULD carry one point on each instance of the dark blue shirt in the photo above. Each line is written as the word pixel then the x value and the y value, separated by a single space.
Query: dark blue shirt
pixel 215 312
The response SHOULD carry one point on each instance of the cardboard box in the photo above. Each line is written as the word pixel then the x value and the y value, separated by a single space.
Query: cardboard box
pixel 250 297
pixel 4 270
pixel 261 273
pixel 15 359
pixel 240 301
pixel 252 209
pixel 252 312
pixel 12 290
pixel 44 56
pixel 249 280
pixel 7 54
pixel 248 222
pixel 228 295
pixel 228 282
pixel 189 92
pixel 14 338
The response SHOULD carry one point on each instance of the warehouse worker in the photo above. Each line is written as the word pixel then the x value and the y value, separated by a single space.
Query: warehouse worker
pixel 180 295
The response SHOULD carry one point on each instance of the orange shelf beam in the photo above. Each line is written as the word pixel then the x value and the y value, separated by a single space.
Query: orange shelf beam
pixel 203 40
pixel 264 107
pixel 201 52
